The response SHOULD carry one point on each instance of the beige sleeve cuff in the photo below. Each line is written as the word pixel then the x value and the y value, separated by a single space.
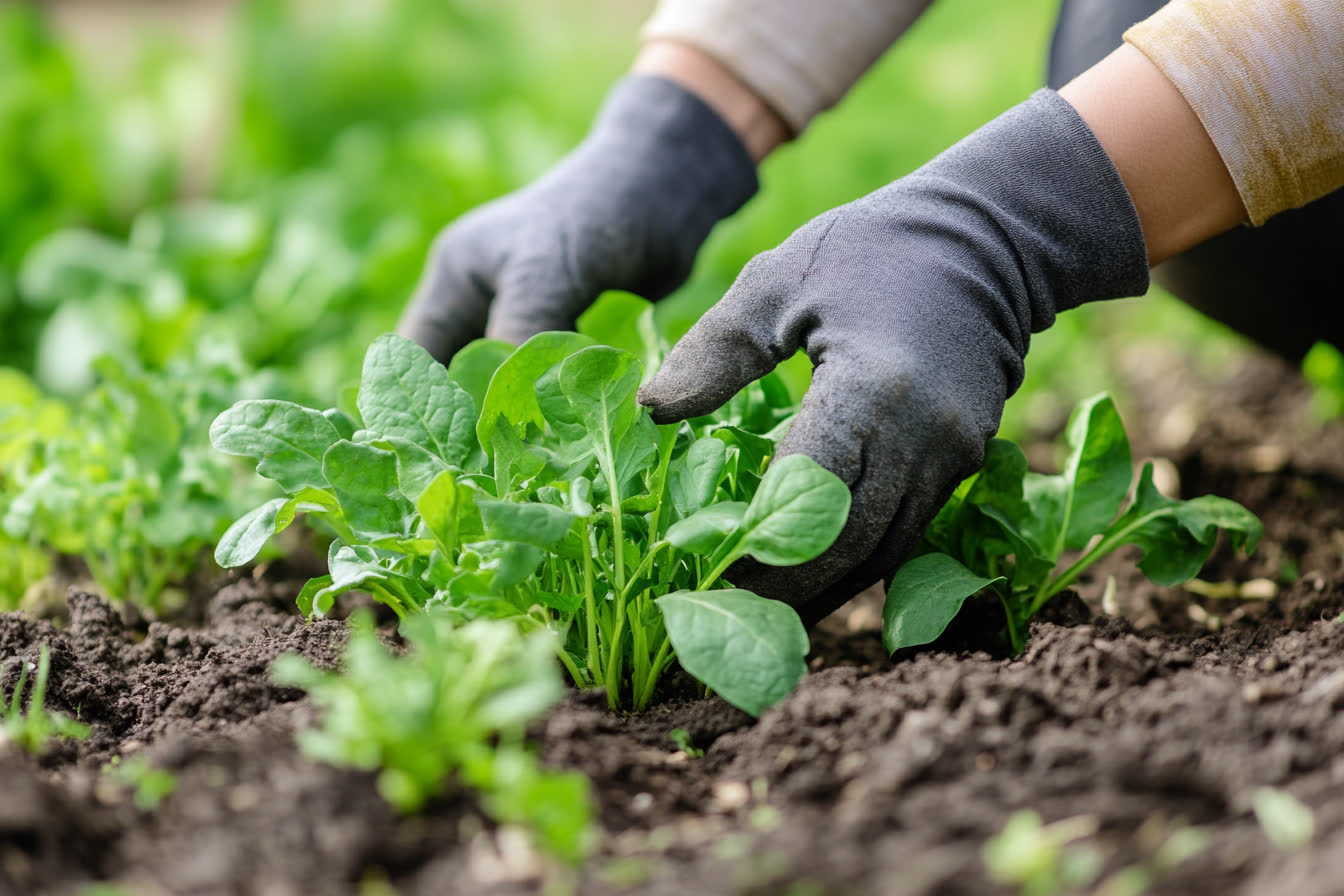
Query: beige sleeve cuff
pixel 800 56
pixel 1266 78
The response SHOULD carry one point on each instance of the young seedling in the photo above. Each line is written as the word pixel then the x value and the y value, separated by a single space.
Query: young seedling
pixel 1007 532
pixel 31 730
pixel 528 485
pixel 457 704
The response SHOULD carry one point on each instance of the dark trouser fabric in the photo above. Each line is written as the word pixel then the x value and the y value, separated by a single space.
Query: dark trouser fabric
pixel 1282 284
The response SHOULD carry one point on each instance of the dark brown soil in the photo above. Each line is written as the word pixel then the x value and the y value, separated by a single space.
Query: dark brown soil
pixel 875 777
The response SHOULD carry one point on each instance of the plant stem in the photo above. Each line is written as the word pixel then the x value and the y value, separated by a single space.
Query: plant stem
pixel 655 673
pixel 590 603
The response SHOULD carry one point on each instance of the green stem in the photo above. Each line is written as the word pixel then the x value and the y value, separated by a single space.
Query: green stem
pixel 655 673
pixel 1015 639
pixel 590 605
pixel 1109 543
pixel 579 679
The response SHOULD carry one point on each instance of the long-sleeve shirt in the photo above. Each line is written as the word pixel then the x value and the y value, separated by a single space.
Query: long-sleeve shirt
pixel 1265 77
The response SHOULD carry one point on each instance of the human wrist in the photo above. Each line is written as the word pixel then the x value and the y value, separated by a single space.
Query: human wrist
pixel 1178 182
pixel 756 124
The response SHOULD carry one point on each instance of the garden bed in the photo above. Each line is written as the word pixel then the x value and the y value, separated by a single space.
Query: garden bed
pixel 1151 710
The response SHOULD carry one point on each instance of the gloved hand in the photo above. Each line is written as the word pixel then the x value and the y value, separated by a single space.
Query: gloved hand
pixel 915 304
pixel 627 209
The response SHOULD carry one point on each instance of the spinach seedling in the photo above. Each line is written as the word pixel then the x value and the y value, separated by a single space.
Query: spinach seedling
pixel 529 485
pixel 1006 531
pixel 31 730
pixel 457 704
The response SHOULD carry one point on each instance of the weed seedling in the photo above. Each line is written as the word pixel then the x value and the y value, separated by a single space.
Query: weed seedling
pixel 31 730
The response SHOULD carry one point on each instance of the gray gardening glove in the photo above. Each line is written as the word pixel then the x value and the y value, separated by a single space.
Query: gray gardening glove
pixel 627 209
pixel 915 304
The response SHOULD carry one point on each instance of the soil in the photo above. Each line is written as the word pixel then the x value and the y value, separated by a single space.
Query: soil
pixel 1142 708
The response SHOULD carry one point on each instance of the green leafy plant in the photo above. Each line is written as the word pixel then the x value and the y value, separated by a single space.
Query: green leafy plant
pixel 123 480
pixel 32 730
pixel 1007 531
pixel 1324 369
pixel 558 504
pixel 457 704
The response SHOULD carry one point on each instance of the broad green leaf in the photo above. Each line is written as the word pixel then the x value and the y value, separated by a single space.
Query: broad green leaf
pixel 346 425
pixel 438 511
pixel 309 592
pixel 364 479
pixel 696 478
pixel 287 441
pixel 475 364
pixel 636 451
pixel 555 406
pixel 1085 496
pixel 539 524
pixel 404 392
pixel 925 595
pixel 241 542
pixel 796 513
pixel 1177 536
pixel 416 467
pixel 703 531
pixel 511 562
pixel 512 393
pixel 600 383
pixel 748 649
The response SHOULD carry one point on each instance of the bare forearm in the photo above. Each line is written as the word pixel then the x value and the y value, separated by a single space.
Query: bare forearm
pixel 1179 184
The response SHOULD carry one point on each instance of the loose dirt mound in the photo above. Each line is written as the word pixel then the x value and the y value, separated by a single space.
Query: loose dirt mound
pixel 875 777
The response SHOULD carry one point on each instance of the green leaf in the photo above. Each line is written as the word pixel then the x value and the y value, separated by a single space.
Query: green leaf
pixel 1084 498
pixel 287 441
pixel 539 524
pixel 797 512
pixel 703 531
pixel 748 649
pixel 695 480
pixel 1178 536
pixel 416 467
pixel 364 479
pixel 1287 823
pixel 241 541
pixel 405 393
pixel 512 393
pixel 309 592
pixel 555 406
pixel 473 366
pixel 925 595
pixel 437 505
pixel 600 383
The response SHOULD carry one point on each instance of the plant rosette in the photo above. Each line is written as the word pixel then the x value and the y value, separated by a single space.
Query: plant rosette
pixel 529 485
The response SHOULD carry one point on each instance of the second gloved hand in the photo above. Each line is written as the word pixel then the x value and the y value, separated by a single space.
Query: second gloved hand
pixel 915 304
pixel 627 209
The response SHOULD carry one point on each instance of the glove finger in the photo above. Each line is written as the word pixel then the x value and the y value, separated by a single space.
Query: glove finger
pixel 452 299
pixel 535 295
pixel 921 504
pixel 739 340
pixel 839 426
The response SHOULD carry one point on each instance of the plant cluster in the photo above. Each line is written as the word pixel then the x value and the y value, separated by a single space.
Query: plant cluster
pixel 1008 532
pixel 558 505
pixel 123 479
pixel 456 705
pixel 31 730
